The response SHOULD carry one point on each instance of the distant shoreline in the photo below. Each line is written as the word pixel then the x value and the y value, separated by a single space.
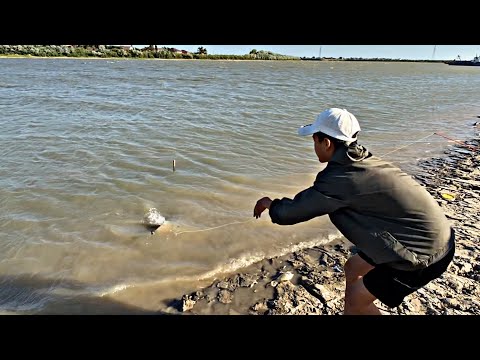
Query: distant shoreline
pixel 168 53
pixel 121 58
pixel 330 60
pixel 79 57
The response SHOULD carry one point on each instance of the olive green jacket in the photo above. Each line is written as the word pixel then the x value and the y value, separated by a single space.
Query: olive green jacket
pixel 382 210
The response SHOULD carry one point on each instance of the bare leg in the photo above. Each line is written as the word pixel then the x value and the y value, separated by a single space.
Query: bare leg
pixel 358 300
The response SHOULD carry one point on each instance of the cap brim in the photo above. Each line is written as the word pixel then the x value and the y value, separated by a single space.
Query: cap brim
pixel 306 130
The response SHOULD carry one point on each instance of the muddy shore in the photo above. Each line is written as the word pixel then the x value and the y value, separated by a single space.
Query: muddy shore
pixel 312 282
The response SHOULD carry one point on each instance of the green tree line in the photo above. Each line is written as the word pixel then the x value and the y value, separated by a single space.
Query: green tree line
pixel 112 51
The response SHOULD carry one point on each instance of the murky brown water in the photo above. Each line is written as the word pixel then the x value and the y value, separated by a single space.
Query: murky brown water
pixel 87 148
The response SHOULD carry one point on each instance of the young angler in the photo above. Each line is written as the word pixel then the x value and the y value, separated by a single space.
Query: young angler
pixel 403 238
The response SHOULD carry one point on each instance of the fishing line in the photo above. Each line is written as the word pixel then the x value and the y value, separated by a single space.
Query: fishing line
pixel 413 142
pixel 423 138
pixel 212 228
pixel 471 147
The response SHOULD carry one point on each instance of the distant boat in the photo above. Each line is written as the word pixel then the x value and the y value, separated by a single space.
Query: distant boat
pixel 457 61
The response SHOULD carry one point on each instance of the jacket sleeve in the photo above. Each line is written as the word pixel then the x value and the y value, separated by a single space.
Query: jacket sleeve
pixel 306 205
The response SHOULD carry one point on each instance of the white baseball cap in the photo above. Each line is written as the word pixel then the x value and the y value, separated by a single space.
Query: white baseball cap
pixel 337 123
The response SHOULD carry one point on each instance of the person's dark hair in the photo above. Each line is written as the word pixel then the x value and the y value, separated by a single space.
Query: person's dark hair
pixel 336 142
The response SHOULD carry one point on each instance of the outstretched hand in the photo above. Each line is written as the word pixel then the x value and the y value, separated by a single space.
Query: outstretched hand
pixel 260 206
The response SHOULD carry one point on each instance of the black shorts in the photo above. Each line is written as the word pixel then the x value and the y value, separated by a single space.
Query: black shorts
pixel 390 286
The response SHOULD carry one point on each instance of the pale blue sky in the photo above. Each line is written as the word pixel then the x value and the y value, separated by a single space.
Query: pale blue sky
pixel 413 52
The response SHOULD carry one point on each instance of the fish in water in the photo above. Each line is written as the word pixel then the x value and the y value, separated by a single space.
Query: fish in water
pixel 153 220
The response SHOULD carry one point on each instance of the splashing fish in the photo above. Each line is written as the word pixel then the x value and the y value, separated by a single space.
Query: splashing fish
pixel 153 220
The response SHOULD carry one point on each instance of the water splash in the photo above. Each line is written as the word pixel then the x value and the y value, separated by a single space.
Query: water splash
pixel 153 220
